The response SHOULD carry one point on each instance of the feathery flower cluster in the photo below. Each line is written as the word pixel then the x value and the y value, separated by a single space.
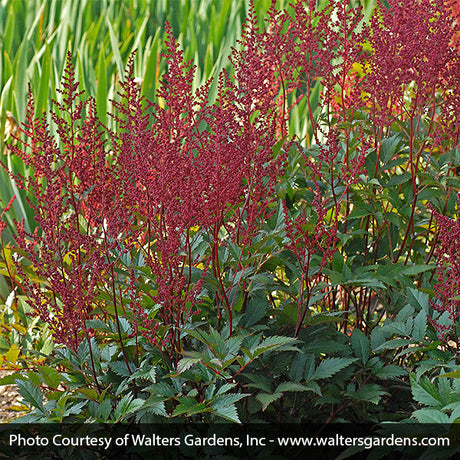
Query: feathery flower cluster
pixel 147 192
pixel 447 287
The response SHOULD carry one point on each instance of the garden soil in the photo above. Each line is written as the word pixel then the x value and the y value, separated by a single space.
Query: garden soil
pixel 8 398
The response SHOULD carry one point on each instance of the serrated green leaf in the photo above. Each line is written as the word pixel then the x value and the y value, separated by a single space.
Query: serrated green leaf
pixel 184 405
pixel 228 413
pixel 297 367
pixel 105 409
pixel 260 382
pixel 224 388
pixel 360 344
pixel 73 408
pixel 148 374
pixel 272 343
pixel 155 406
pixel 186 363
pixel 89 393
pixel 377 337
pixel 393 344
pixel 390 371
pixel 430 416
pixel 455 411
pixel 227 399
pixel 331 366
pixel 8 380
pixel 198 409
pixel 50 376
pixel 418 299
pixel 127 406
pixel 256 309
pixel 31 394
pixel 417 269
pixel 120 368
pixel 162 389
pixel 425 392
pixel 266 399
pixel 420 326
pixel 398 179
pixel 313 386
pixel 290 386
pixel 370 393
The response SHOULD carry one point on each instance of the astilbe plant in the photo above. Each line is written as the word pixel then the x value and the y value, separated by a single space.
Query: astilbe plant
pixel 64 255
pixel 447 286
pixel 119 212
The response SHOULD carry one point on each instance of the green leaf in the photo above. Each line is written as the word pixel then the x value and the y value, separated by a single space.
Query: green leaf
pixel 12 354
pixel 390 147
pixel 89 393
pixel 108 352
pixel 261 382
pixel 31 394
pixel 227 412
pixel 453 374
pixel 149 87
pixel 313 386
pixel 398 179
pixel 105 409
pixel 43 91
pixel 420 326
pixel 120 368
pixel 370 393
pixel 21 74
pixel 297 367
pixel 416 269
pixel 331 366
pixel 156 406
pixel 162 389
pixel 127 406
pixel 8 380
pixel 291 386
pixel 256 309
pixel 390 371
pixel 50 376
pixel 430 416
pixel 360 344
pixel 425 392
pixel 198 409
pixel 227 399
pixel 185 404
pixel 102 90
pixel 271 343
pixel 266 399
pixel 186 363
pixel 226 387
pixel 418 299
pixel 377 337
pixel 394 344
pixel 115 48
pixel 148 374
pixel 455 411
